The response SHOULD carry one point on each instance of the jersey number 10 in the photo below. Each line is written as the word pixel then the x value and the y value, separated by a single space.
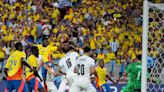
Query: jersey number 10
pixel 80 69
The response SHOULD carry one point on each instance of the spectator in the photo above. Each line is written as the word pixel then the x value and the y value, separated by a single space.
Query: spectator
pixel 46 30
pixel 150 61
pixel 111 59
pixel 114 45
pixel 100 55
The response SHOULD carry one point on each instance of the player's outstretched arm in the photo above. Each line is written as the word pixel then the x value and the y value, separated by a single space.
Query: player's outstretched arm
pixel 109 78
pixel 26 64
pixel 51 70
pixel 54 64
pixel 60 71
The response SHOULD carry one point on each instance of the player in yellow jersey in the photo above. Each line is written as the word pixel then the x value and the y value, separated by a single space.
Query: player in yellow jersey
pixel 33 82
pixel 45 50
pixel 14 70
pixel 102 75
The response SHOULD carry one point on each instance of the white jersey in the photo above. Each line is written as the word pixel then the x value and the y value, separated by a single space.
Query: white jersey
pixel 68 62
pixel 83 65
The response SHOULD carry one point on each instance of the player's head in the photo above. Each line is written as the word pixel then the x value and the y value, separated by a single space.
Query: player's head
pixel 87 49
pixel 101 63
pixel 45 42
pixel 70 48
pixel 18 46
pixel 139 57
pixel 35 51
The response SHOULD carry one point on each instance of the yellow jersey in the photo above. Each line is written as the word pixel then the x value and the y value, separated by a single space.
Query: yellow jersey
pixel 2 54
pixel 101 73
pixel 15 66
pixel 92 44
pixel 46 52
pixel 100 56
pixel 32 61
pixel 110 56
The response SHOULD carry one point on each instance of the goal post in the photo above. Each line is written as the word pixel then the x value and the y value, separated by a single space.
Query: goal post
pixel 153 38
pixel 144 45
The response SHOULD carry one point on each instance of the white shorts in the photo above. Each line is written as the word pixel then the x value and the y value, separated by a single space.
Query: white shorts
pixel 65 84
pixel 82 86
pixel 51 87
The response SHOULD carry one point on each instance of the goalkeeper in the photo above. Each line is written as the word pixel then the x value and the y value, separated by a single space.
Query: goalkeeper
pixel 134 73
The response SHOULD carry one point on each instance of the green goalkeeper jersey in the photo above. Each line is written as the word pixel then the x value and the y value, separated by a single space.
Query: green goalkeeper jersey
pixel 134 72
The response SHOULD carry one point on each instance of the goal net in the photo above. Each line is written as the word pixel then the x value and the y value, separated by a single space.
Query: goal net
pixel 153 48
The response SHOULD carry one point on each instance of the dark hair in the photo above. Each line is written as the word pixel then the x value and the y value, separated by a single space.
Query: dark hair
pixel 71 47
pixel 75 34
pixel 35 51
pixel 139 57
pixel 34 48
pixel 17 45
pixel 70 43
pixel 44 38
pixel 87 49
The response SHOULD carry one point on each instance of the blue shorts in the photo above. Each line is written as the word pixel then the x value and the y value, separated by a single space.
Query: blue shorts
pixel 18 85
pixel 44 70
pixel 57 81
pixel 105 88
pixel 34 84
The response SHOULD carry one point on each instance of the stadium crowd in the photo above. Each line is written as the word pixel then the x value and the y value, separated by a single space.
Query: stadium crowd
pixel 111 28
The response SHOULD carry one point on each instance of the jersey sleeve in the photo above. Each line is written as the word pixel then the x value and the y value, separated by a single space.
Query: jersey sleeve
pixel 61 63
pixel 7 64
pixel 23 55
pixel 76 56
pixel 92 63
pixel 53 48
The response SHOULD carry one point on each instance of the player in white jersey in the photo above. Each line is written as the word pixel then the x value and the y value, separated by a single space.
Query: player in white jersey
pixel 85 66
pixel 67 63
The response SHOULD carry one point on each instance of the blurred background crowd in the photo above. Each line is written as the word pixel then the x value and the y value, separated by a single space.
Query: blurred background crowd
pixel 111 28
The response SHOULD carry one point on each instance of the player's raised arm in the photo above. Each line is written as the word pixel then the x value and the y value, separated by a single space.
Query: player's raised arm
pixel 23 60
